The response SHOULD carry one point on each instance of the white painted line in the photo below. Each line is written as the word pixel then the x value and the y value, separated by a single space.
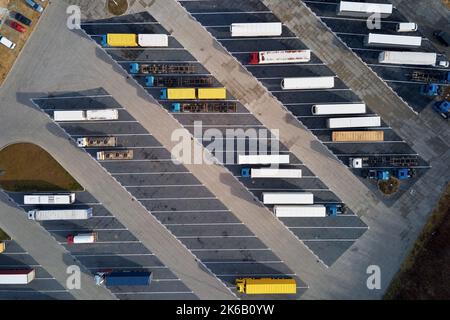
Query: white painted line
pixel 205 224
pixel 165 186
pixel 73 97
pixel 214 237
pixel 243 249
pixel 142 293
pixel 244 262
pixel 113 255
pixel 146 173
pixel 176 199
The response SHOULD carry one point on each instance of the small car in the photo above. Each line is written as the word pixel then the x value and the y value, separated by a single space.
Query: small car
pixel 21 18
pixel 36 6
pixel 7 43
pixel 17 26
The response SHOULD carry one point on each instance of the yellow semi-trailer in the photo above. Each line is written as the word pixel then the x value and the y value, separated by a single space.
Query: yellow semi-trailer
pixel 212 93
pixel 178 94
pixel 2 247
pixel 120 40
pixel 357 136
pixel 266 286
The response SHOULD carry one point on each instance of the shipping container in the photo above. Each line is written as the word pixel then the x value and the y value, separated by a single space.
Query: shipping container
pixel 62 214
pixel 358 136
pixel 17 276
pixel 283 56
pixel 292 211
pixel 276 173
pixel 408 58
pixel 288 198
pixel 363 9
pixel 389 40
pixel 266 286
pixel 121 40
pixel 49 198
pixel 82 115
pixel 2 247
pixel 153 40
pixel 97 142
pixel 263 159
pixel 178 94
pixel 212 93
pixel 355 122
pixel 260 29
pixel 352 108
pixel 307 83
pixel 82 238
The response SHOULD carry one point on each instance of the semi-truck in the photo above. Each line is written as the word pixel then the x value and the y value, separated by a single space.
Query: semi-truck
pixel 17 276
pixel 115 155
pixel 263 159
pixel 282 56
pixel 266 286
pixel 193 94
pixel 307 211
pixel 288 198
pixel 86 115
pixel 389 40
pixel 271 173
pixel 408 58
pixel 307 83
pixel 354 122
pixel 357 136
pixel 152 81
pixel 154 68
pixel 342 108
pixel 134 40
pixel 123 278
pixel 60 214
pixel 363 9
pixel 53 199
pixel 225 106
pixel 260 29
pixel 96 142
pixel 386 174
pixel 82 238
pixel 384 161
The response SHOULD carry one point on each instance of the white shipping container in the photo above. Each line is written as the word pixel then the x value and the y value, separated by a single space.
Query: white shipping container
pixel 285 56
pixel 355 122
pixel 69 115
pixel 287 198
pixel 307 83
pixel 407 57
pixel 104 114
pixel 388 40
pixel 292 211
pixel 364 9
pixel 276 173
pixel 66 214
pixel 82 238
pixel 261 29
pixel 17 276
pixel 263 159
pixel 153 40
pixel 49 198
pixel 355 108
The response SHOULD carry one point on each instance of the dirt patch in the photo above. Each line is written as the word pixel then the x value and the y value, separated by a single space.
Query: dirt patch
pixel 425 273
pixel 389 187
pixel 28 168
pixel 3 236
pixel 8 56
pixel 447 3
pixel 117 7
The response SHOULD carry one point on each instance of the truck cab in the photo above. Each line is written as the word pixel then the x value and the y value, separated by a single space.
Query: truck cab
pixel 430 90
pixel 382 175
pixel 443 108
pixel 404 173
pixel 134 68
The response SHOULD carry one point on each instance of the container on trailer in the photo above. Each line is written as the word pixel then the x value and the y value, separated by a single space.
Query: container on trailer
pixel 2 247
pixel 97 142
pixel 406 27
pixel 276 173
pixel 49 198
pixel 355 108
pixel 61 214
pixel 178 94
pixel 115 155
pixel 307 83
pixel 291 211
pixel 263 159
pixel 69 115
pixel 288 198
pixel 124 278
pixel 389 40
pixel 120 40
pixel 282 56
pixel 212 93
pixel 354 122
pixel 153 40
pixel 266 286
pixel 102 114
pixel 17 276
pixel 408 58
pixel 357 136
pixel 82 238
pixel 363 9
pixel 260 29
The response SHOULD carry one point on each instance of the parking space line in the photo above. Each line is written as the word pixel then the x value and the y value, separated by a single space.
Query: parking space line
pixel 205 224
pixel 162 61
pixel 128 267
pixel 257 275
pixel 117 23
pixel 229 12
pixel 114 134
pixel 136 160
pixel 183 211
pixel 165 185
pixel 214 237
pixel 150 292
pixel 346 18
pixel 176 199
pixel 253 39
pixel 233 249
pixel 73 97
pixel 32 291
pixel 328 240
pixel 113 255
pixel 245 262
pixel 363 142
pixel 148 173
pixel 329 227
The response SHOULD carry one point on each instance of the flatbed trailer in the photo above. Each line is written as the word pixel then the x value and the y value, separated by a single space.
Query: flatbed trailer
pixel 204 107
pixel 152 81
pixel 159 68
pixel 384 161
pixel 430 77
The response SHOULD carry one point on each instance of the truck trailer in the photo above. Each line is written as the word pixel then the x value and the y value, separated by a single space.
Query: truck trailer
pixel 266 286
pixel 134 40
pixel 2 247
pixel 97 142
pixel 193 94
pixel 82 238
pixel 292 211
pixel 123 278
pixel 357 136
pixel 49 198
pixel 183 82
pixel 288 198
pixel 212 93
pixel 115 155
pixel 86 115
pixel 408 58
pixel 363 9
pixel 307 83
pixel 263 159
pixel 17 276
pixel 260 29
pixel 271 173
pixel 158 68
pixel 342 108
pixel 389 40
pixel 205 107
pixel 282 56
pixel 61 214
pixel 384 161
pixel 355 122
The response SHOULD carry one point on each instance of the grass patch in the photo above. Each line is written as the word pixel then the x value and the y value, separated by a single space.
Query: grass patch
pixel 117 7
pixel 28 168
pixel 425 273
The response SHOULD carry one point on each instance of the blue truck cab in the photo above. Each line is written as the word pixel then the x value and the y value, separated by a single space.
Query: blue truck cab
pixel 245 172
pixel 443 108
pixel 430 90
pixel 104 40
pixel 134 68
pixel 163 95
pixel 149 81
pixel 332 210
pixel 175 107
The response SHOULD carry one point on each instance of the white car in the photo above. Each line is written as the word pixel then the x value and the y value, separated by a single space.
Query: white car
pixel 7 43
pixel 443 64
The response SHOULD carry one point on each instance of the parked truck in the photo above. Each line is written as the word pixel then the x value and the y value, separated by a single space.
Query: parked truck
pixel 266 286
pixel 355 122
pixel 17 276
pixel 341 108
pixel 82 238
pixel 288 198
pixel 86 115
pixel 115 155
pixel 307 211
pixel 363 9
pixel 96 142
pixel 152 81
pixel 357 136
pixel 134 40
pixel 204 107
pixel 123 278
pixel 260 29
pixel 54 199
pixel 282 56
pixel 271 173
pixel 154 68
pixel 263 159
pixel 307 83
pixel 193 94
pixel 389 40
pixel 408 58
pixel 60 214
pixel 384 161
pixel 386 174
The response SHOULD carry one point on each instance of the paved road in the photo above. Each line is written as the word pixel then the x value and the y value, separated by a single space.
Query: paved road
pixel 46 251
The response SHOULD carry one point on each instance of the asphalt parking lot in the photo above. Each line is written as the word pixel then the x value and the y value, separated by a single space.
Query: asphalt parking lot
pixel 116 249
pixel 220 241
pixel 352 31
pixel 43 287
pixel 216 17
pixel 328 238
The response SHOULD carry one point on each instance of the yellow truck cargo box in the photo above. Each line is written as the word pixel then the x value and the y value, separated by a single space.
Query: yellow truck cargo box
pixel 2 247
pixel 266 286
pixel 212 93
pixel 122 40
pixel 351 136
pixel 181 93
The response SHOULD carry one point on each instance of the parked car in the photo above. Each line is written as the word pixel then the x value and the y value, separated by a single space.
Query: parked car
pixel 443 37
pixel 36 6
pixel 21 18
pixel 17 26
pixel 7 43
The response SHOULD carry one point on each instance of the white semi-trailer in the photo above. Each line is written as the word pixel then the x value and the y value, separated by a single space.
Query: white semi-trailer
pixel 389 40
pixel 63 214
pixel 283 56
pixel 342 108
pixel 288 198
pixel 363 9
pixel 17 276
pixel 82 238
pixel 294 211
pixel 153 40
pixel 276 173
pixel 264 159
pixel 49 198
pixel 307 83
pixel 407 57
pixel 260 29
pixel 83 115
pixel 355 122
